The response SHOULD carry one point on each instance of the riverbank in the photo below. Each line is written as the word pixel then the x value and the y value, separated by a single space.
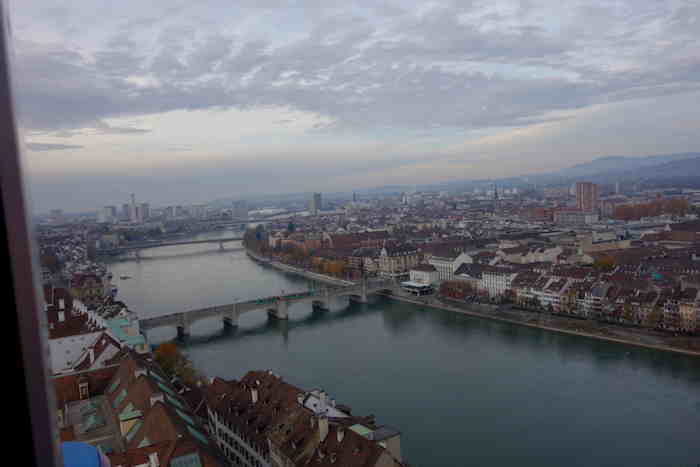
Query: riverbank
pixel 301 272
pixel 563 325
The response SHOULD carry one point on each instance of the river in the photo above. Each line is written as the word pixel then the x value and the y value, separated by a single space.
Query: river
pixel 462 390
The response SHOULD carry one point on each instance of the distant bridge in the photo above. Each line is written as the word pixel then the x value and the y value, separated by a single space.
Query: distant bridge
pixel 136 247
pixel 276 306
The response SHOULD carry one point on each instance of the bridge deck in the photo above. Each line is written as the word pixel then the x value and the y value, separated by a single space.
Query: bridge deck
pixel 260 304
pixel 141 246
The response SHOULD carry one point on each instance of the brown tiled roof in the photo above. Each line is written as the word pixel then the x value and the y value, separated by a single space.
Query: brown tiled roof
pixel 525 279
pixel 67 434
pixel 102 343
pixel 66 386
pixel 353 451
pixel 293 429
pixel 275 398
pixel 162 424
pixel 692 226
pixel 424 268
pixel 139 456
pixel 571 272
pixel 393 249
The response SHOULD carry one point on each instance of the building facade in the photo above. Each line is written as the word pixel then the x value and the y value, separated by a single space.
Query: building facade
pixel 587 196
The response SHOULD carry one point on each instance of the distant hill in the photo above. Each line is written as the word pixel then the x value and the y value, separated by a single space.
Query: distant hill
pixel 675 169
pixel 622 164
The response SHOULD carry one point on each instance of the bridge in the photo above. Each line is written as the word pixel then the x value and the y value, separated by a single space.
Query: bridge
pixel 276 306
pixel 136 247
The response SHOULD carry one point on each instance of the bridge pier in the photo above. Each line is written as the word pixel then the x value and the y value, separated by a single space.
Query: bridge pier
pixel 280 310
pixel 320 305
pixel 361 297
pixel 231 319
pixel 183 327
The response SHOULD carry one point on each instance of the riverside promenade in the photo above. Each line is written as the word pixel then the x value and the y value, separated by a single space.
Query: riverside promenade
pixel 504 313
pixel 298 271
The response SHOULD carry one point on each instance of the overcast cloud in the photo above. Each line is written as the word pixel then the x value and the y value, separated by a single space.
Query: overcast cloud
pixel 311 95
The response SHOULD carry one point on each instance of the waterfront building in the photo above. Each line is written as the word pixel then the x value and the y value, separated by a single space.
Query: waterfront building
pixel 424 274
pixel 263 421
pixel 443 261
pixel 397 259
pixel 689 309
pixel 85 336
pixel 132 412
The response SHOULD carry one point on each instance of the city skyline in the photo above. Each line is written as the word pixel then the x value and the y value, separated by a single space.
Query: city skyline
pixel 273 97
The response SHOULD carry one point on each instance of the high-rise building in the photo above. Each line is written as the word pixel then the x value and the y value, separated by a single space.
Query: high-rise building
pixel 107 214
pixel 133 210
pixel 315 203
pixel 586 196
pixel 126 211
pixel 145 211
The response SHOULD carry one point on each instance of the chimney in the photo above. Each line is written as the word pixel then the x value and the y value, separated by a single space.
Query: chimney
pixel 322 428
pixel 323 402
pixel 153 460
pixel 156 397
pixel 92 355
pixel 341 434
pixel 61 316
pixel 254 395
pixel 61 304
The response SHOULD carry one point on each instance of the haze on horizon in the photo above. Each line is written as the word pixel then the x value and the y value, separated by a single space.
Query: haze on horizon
pixel 192 101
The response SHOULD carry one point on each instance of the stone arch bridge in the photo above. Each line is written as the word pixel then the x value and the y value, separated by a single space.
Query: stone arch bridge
pixel 276 306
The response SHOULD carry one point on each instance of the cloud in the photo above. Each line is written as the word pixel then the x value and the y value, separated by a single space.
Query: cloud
pixel 456 65
pixel 106 129
pixel 51 147
pixel 413 75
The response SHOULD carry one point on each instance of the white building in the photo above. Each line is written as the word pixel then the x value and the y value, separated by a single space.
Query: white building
pixel 495 281
pixel 424 274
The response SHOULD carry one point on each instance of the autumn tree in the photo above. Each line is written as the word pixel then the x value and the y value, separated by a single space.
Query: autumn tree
pixel 655 317
pixel 628 312
pixel 174 363
pixel 604 263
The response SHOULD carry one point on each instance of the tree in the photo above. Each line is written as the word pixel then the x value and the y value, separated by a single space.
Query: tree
pixel 605 263
pixel 174 363
pixel 167 356
pixel 655 317
pixel 628 312
pixel 509 296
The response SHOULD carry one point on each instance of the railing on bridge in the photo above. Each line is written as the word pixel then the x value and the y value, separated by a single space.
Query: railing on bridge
pixel 242 307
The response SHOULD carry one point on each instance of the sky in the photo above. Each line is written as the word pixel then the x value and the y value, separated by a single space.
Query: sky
pixel 186 102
